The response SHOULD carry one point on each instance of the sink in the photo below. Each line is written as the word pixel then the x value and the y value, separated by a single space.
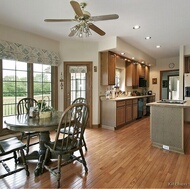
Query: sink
pixel 172 101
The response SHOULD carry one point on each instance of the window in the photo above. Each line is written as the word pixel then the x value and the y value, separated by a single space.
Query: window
pixel 117 77
pixel 21 79
pixel 42 81
pixel 14 85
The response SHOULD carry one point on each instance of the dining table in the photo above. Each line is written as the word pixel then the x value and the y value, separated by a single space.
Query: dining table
pixel 26 123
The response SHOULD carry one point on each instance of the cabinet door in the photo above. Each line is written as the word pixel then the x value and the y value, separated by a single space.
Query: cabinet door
pixel 146 74
pixel 140 70
pixel 108 68
pixel 129 111
pixel 120 115
pixel 111 69
pixel 131 75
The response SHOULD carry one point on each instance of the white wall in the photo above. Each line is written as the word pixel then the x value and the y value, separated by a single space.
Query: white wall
pixel 161 65
pixel 25 38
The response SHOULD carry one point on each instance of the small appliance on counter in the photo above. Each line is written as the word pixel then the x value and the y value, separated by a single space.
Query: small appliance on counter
pixel 149 92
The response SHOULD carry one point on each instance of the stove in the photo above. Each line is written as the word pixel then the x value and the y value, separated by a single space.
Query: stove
pixel 172 101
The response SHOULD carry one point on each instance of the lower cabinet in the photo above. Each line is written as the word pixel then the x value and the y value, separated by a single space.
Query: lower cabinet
pixel 115 113
pixel 120 113
pixel 129 111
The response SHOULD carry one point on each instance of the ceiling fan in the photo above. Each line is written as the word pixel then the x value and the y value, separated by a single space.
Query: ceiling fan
pixel 84 20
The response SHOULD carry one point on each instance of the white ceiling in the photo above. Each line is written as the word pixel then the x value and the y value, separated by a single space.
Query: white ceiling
pixel 166 21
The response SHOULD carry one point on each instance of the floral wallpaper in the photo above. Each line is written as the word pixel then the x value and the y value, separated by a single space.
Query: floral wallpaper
pixel 24 53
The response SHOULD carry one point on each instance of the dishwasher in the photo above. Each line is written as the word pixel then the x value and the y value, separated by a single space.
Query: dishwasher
pixel 140 107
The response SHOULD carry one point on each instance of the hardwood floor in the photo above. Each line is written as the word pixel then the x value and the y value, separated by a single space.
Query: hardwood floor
pixel 117 159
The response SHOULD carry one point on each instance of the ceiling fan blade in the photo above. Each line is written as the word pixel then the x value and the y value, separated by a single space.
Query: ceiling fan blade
pixel 59 20
pixel 104 17
pixel 96 29
pixel 76 8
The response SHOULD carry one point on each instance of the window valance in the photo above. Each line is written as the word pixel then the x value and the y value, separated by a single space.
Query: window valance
pixel 78 69
pixel 24 53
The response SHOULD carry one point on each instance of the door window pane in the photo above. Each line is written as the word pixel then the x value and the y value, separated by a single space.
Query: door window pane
pixel 78 85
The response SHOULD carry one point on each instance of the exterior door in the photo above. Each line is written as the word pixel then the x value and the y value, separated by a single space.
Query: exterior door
pixel 78 83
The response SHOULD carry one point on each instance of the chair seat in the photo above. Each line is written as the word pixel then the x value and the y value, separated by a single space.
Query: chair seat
pixel 10 145
pixel 62 150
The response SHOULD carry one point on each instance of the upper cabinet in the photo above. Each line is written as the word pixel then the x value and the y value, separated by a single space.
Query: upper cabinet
pixel 146 74
pixel 132 78
pixel 140 70
pixel 129 72
pixel 108 61
pixel 134 72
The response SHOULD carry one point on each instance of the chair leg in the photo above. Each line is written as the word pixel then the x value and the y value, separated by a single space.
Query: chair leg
pixel 84 143
pixel 83 161
pixel 24 162
pixel 45 159
pixel 22 136
pixel 27 144
pixel 59 170
pixel 15 157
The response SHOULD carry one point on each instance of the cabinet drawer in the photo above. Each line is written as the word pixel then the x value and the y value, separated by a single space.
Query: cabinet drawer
pixel 121 103
pixel 129 102
pixel 135 101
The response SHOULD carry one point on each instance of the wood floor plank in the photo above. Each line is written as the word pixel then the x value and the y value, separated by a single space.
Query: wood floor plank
pixel 117 159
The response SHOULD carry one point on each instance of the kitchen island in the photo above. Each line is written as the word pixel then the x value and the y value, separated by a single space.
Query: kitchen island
pixel 120 111
pixel 167 124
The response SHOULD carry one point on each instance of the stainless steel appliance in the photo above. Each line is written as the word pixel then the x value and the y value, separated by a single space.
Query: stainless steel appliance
pixel 187 86
pixel 187 95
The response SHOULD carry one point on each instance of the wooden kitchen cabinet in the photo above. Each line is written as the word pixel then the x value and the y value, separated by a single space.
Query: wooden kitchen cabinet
pixel 129 111
pixel 134 72
pixel 120 113
pixel 132 78
pixel 117 113
pixel 146 75
pixel 140 71
pixel 108 61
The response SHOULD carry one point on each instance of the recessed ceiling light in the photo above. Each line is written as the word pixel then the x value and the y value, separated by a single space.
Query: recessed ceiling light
pixel 148 37
pixel 133 58
pixel 136 27
pixel 158 46
pixel 142 62
pixel 122 53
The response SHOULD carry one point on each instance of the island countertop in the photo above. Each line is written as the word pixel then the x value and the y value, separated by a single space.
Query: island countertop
pixel 186 104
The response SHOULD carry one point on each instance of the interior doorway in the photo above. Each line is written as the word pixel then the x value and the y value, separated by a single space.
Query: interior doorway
pixel 78 83
pixel 169 84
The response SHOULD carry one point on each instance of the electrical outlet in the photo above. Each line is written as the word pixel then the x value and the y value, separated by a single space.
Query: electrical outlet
pixel 165 147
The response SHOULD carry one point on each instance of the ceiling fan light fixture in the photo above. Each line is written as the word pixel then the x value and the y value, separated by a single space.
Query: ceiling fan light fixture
pixel 75 28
